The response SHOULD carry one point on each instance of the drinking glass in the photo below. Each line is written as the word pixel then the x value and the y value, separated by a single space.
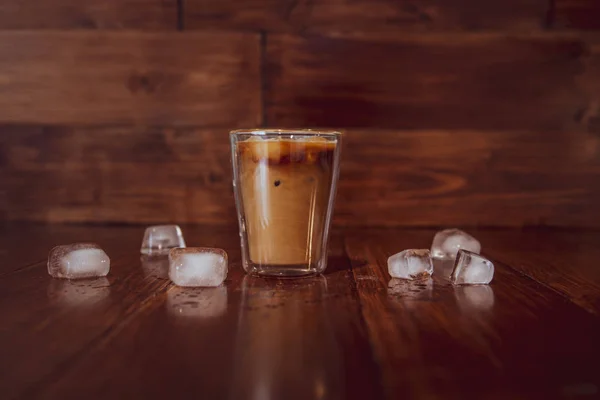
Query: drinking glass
pixel 285 184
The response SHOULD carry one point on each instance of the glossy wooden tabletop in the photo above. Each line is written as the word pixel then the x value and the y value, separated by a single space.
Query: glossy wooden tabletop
pixel 351 333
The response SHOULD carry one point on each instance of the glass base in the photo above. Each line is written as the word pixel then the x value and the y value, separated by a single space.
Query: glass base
pixel 281 271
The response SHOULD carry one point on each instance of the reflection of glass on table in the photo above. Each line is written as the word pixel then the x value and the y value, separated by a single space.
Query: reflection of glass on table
pixel 285 342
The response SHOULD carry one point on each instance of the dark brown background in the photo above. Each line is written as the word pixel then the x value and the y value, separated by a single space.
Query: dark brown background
pixel 462 112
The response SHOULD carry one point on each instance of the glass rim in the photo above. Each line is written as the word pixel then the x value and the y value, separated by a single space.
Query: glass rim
pixel 277 131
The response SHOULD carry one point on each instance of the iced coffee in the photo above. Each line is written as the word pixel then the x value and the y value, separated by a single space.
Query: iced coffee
pixel 285 186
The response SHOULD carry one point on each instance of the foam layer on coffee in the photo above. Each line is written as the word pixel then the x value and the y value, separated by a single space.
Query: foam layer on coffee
pixel 285 151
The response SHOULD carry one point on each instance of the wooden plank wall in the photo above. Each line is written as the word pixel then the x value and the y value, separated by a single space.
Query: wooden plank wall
pixel 459 112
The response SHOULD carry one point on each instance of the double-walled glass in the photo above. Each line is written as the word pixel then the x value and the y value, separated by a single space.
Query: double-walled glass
pixel 285 183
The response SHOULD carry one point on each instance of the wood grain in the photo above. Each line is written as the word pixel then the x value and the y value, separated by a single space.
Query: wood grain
pixel 57 320
pixel 576 14
pixel 564 260
pixel 94 14
pixel 589 117
pixel 440 178
pixel 85 77
pixel 250 335
pixel 24 246
pixel 118 175
pixel 363 15
pixel 431 329
pixel 387 178
pixel 449 81
pixel 351 333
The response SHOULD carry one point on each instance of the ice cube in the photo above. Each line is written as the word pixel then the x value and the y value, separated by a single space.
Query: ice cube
pixel 448 242
pixel 410 264
pixel 78 260
pixel 472 269
pixel 159 239
pixel 197 266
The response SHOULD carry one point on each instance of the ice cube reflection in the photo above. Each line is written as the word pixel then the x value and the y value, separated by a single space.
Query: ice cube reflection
pixel 197 302
pixel 88 293
pixel 474 298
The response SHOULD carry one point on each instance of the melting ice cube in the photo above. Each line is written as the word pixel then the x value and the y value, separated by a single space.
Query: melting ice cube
pixel 472 269
pixel 78 260
pixel 197 266
pixel 410 264
pixel 447 243
pixel 159 239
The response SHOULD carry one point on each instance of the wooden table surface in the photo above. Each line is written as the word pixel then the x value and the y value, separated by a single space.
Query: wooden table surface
pixel 351 333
